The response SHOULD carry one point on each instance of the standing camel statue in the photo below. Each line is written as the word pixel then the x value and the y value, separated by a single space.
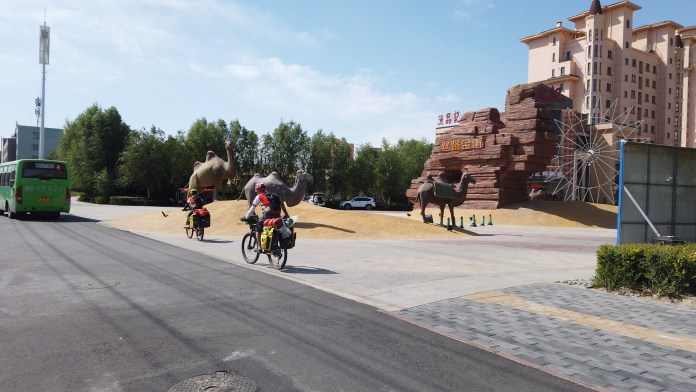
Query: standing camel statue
pixel 290 196
pixel 214 170
pixel 426 194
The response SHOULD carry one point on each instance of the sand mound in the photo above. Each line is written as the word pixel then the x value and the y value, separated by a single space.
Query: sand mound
pixel 325 223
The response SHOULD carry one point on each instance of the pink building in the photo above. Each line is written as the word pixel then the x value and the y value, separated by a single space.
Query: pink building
pixel 646 72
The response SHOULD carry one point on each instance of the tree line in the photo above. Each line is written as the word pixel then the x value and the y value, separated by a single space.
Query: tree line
pixel 108 158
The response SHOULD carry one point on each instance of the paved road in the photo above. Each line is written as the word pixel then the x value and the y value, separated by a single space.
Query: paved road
pixel 498 291
pixel 87 308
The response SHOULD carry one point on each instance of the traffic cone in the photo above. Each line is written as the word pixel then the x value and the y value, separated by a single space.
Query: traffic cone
pixel 473 221
pixel 483 220
pixel 490 220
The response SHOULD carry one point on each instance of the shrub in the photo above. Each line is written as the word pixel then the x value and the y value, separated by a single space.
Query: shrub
pixel 657 269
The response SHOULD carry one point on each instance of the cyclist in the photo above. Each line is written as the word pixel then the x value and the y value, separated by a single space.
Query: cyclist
pixel 193 202
pixel 272 206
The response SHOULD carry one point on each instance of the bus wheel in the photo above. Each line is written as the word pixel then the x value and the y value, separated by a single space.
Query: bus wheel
pixel 11 215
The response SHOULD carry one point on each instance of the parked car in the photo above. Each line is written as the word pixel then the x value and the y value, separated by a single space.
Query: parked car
pixel 367 203
pixel 317 199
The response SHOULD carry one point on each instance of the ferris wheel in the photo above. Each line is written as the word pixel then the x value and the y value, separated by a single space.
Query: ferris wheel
pixel 586 165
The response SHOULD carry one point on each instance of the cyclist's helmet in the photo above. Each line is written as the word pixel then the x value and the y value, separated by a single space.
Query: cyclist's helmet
pixel 260 187
pixel 194 191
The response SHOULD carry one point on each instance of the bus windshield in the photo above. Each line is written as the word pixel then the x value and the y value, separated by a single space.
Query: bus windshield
pixel 44 170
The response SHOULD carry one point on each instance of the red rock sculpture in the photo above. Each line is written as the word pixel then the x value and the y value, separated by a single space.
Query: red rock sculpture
pixel 500 151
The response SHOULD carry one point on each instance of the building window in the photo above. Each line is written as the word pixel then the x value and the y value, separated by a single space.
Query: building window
pixel 594 101
pixel 647 82
pixel 653 99
pixel 553 72
pixel 562 70
pixel 670 76
pixel 647 67
pixel 652 114
pixel 625 94
pixel 678 64
pixel 568 56
pixel 628 23
pixel 594 68
pixel 607 103
pixel 588 68
pixel 633 78
pixel 595 48
pixel 627 45
pixel 587 102
pixel 655 69
pixel 554 41
pixel 640 67
pixel 676 107
pixel 669 91
pixel 625 78
pixel 35 147
pixel 678 91
pixel 610 54
pixel 654 84
pixel 670 60
pixel 671 41
pixel 633 63
pixel 633 94
pixel 608 87
pixel 553 57
pixel 626 61
pixel 594 84
pixel 561 87
pixel 609 71
pixel 676 121
pixel 651 128
pixel 588 85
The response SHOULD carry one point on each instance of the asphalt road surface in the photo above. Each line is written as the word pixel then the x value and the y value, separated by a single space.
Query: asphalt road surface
pixel 88 308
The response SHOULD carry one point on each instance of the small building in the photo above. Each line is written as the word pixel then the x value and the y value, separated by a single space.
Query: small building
pixel 24 144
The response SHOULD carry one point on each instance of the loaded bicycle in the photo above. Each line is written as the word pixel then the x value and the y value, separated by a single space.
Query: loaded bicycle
pixel 198 221
pixel 276 239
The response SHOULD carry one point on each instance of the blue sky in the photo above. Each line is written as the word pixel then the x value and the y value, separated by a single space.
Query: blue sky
pixel 364 70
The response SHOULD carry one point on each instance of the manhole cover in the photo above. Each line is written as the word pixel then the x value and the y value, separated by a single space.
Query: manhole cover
pixel 215 382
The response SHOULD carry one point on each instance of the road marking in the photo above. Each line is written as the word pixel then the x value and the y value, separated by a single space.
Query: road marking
pixel 680 342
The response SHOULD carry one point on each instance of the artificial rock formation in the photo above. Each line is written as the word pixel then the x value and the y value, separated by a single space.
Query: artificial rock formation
pixel 500 151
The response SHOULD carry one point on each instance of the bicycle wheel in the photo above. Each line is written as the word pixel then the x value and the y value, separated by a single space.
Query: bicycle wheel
pixel 189 232
pixel 249 248
pixel 277 258
pixel 200 231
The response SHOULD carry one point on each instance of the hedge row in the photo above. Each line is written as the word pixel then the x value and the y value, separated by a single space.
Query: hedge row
pixel 651 268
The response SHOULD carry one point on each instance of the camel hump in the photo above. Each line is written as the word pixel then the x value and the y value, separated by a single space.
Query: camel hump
pixel 209 155
pixel 274 176
pixel 441 178
pixel 196 164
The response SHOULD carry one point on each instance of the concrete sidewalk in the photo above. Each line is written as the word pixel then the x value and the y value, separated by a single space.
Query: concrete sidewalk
pixel 497 290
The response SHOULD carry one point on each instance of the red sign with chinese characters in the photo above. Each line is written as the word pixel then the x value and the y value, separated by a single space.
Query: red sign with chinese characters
pixel 448 119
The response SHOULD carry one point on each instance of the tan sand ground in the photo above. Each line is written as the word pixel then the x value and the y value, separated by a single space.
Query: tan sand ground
pixel 325 223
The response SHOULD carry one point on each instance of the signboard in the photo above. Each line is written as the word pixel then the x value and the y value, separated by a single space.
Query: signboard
pixel 463 144
pixel 448 119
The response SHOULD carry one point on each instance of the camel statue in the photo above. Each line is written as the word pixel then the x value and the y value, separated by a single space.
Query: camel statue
pixel 290 196
pixel 426 194
pixel 214 170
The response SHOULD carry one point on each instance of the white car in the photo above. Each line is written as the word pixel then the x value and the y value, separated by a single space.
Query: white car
pixel 367 203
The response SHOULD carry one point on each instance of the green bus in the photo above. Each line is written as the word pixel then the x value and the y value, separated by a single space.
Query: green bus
pixel 34 186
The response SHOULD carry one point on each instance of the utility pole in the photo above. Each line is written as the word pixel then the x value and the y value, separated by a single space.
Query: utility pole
pixel 44 43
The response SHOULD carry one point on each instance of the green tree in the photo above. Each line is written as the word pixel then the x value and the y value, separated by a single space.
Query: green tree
pixel 287 150
pixel 364 179
pixel 147 164
pixel 204 136
pixel 388 174
pixel 321 146
pixel 412 156
pixel 341 168
pixel 92 144
pixel 246 150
